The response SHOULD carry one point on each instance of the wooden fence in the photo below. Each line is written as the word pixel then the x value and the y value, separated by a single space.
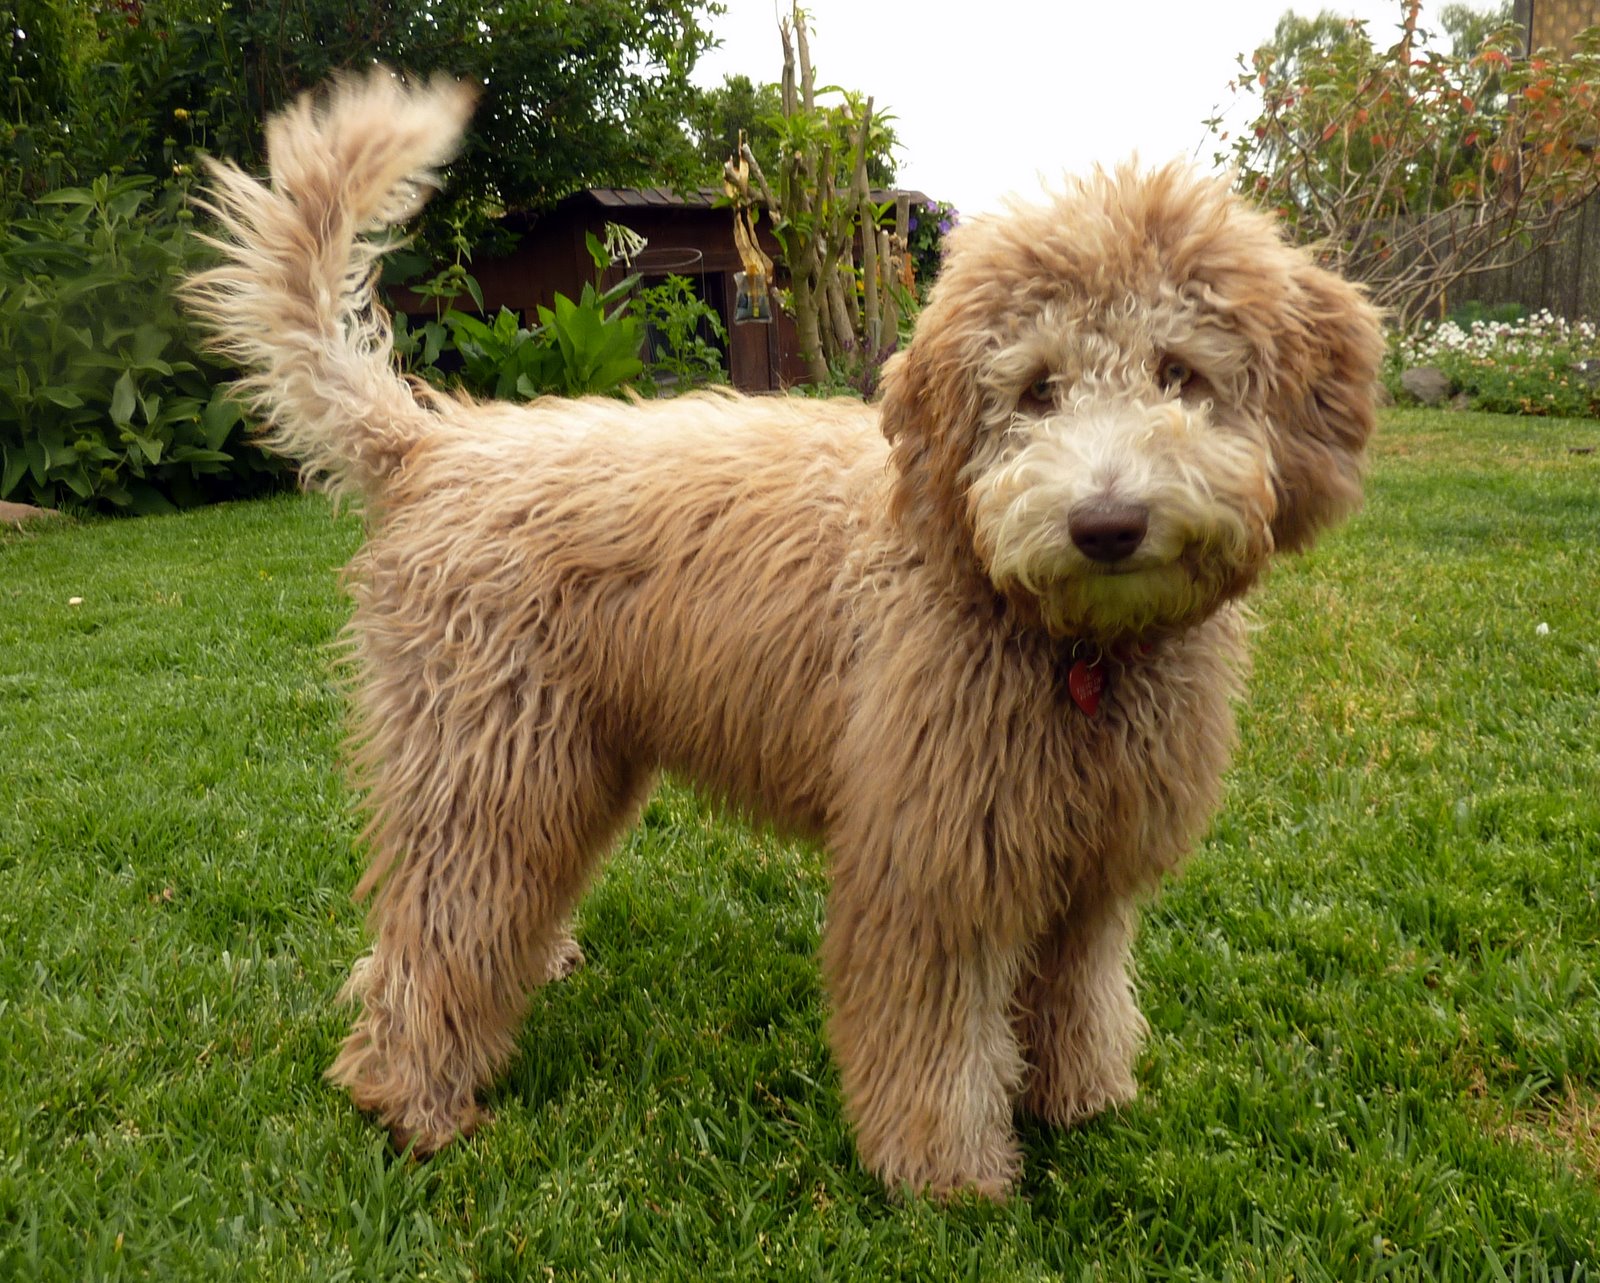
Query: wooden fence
pixel 1563 276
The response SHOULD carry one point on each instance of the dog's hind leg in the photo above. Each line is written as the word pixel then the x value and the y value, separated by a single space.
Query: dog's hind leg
pixel 489 816
pixel 1078 1020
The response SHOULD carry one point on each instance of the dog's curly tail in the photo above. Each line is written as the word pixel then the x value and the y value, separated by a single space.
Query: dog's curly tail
pixel 291 301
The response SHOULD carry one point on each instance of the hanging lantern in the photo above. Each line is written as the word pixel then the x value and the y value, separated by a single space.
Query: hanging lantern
pixel 753 297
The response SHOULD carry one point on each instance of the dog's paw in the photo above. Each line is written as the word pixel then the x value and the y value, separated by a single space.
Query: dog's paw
pixel 982 1189
pixel 564 958
pixel 424 1141
pixel 971 1171
pixel 1068 1106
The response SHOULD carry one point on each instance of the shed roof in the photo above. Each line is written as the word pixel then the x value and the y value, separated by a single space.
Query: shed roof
pixel 698 198
pixel 649 197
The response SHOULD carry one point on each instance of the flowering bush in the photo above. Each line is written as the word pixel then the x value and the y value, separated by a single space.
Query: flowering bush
pixel 1540 364
pixel 925 233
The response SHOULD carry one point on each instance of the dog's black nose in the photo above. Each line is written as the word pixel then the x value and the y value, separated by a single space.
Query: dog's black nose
pixel 1108 531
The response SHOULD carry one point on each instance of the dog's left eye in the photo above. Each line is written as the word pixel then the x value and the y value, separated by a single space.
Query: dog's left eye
pixel 1176 375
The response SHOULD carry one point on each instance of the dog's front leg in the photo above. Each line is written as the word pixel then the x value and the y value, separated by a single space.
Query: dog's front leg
pixel 1078 1019
pixel 923 1037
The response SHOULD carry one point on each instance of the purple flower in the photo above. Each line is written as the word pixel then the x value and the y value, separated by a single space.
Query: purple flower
pixel 944 225
pixel 912 225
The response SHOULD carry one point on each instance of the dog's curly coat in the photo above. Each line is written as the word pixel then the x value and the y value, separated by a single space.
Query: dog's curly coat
pixel 873 625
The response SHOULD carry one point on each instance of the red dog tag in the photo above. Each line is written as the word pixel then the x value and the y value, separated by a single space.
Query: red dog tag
pixel 1085 681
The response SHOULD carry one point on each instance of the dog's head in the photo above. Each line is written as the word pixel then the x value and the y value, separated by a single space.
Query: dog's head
pixel 1119 405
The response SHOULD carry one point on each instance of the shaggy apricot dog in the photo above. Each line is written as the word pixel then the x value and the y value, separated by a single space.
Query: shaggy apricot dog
pixel 981 640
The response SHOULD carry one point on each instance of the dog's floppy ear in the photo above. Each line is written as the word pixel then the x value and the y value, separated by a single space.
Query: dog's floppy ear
pixel 1323 402
pixel 929 414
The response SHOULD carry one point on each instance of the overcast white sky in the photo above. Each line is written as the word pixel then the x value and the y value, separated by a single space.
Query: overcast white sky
pixel 991 96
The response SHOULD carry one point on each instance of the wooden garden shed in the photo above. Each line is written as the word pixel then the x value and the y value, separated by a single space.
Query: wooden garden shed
pixel 686 235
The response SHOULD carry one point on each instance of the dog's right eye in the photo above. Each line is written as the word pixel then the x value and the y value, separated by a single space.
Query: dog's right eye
pixel 1039 397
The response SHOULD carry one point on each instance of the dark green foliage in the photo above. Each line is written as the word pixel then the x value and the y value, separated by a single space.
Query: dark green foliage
pixel 37 56
pixel 1467 314
pixel 574 94
pixel 104 399
pixel 118 84
pixel 738 106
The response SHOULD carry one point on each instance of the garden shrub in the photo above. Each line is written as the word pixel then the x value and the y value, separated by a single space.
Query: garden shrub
pixel 105 400
pixel 1539 365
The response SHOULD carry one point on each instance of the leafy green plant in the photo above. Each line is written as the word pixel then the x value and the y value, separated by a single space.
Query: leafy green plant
pixel 419 348
pixel 500 358
pixel 577 349
pixel 104 398
pixel 592 351
pixel 677 322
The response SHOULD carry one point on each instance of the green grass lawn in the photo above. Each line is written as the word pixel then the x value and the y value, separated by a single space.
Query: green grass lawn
pixel 1375 1046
